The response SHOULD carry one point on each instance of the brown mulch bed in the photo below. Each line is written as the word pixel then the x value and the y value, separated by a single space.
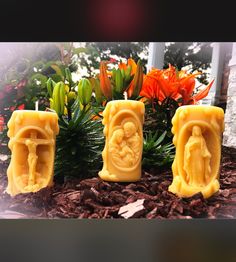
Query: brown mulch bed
pixel 94 198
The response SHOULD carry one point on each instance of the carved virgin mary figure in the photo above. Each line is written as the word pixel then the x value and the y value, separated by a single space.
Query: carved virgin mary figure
pixel 197 159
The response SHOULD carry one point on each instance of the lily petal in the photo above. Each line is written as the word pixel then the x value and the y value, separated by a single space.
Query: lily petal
pixel 203 93
pixel 133 65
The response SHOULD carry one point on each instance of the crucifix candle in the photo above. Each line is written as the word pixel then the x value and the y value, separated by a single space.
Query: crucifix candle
pixel 197 133
pixel 32 144
pixel 122 154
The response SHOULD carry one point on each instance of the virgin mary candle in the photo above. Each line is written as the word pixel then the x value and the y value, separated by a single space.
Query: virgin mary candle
pixel 32 144
pixel 122 154
pixel 197 133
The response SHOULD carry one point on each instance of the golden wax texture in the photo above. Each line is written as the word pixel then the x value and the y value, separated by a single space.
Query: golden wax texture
pixel 122 154
pixel 197 133
pixel 32 144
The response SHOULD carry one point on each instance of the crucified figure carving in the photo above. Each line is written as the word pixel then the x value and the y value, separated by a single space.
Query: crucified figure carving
pixel 32 142
pixel 32 157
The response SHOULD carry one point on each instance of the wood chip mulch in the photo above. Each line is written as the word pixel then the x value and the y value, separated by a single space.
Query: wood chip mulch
pixel 94 198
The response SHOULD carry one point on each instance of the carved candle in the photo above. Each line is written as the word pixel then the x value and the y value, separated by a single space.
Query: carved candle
pixel 122 154
pixel 32 143
pixel 197 133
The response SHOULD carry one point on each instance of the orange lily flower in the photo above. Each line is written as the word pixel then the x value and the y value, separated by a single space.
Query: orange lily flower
pixel 160 84
pixel 164 83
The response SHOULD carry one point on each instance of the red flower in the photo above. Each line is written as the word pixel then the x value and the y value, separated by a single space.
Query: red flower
pixel 21 107
pixel 112 60
pixel 1 123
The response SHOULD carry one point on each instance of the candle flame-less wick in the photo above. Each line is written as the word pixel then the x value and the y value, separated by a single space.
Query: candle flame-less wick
pixel 36 105
pixel 125 95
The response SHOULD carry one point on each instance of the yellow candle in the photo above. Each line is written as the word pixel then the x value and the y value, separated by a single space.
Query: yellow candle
pixel 197 137
pixel 32 143
pixel 122 154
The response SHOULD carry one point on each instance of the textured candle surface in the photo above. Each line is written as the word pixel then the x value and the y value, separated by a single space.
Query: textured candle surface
pixel 197 137
pixel 122 154
pixel 32 143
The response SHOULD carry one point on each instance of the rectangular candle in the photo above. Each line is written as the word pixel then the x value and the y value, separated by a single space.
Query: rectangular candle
pixel 197 133
pixel 32 144
pixel 122 154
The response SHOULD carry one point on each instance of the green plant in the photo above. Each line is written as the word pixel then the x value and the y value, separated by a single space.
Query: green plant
pixel 80 140
pixel 127 78
pixel 155 152
pixel 158 116
pixel 79 145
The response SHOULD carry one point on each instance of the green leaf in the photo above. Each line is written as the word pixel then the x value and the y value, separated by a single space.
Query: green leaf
pixel 39 77
pixel 160 139
pixel 58 70
pixel 56 78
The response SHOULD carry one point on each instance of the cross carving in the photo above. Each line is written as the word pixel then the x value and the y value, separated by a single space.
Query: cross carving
pixel 32 144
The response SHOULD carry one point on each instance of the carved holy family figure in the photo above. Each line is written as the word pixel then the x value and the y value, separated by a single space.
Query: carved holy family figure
pixel 197 136
pixel 125 145
pixel 122 154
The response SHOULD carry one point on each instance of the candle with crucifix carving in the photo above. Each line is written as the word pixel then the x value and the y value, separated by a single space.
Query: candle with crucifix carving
pixel 32 144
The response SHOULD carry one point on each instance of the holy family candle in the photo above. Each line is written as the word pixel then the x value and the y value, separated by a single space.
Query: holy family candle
pixel 122 154
pixel 32 143
pixel 197 136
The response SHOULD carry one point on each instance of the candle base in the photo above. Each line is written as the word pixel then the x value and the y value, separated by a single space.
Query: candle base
pixel 181 189
pixel 106 176
pixel 197 136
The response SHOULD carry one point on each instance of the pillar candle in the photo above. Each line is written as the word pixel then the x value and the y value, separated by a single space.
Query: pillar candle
pixel 32 144
pixel 122 154
pixel 197 133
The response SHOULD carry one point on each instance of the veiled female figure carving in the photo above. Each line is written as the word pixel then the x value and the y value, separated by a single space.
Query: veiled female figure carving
pixel 197 159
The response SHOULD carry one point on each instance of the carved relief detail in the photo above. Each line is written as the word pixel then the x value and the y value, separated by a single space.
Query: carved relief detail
pixel 197 159
pixel 124 144
pixel 197 137
pixel 32 146
pixel 124 141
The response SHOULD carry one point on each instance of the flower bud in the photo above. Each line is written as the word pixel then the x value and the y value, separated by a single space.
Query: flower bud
pixel 97 89
pixel 137 82
pixel 105 82
pixel 84 91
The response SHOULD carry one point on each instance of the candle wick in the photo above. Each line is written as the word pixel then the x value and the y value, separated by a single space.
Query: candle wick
pixel 37 105
pixel 125 95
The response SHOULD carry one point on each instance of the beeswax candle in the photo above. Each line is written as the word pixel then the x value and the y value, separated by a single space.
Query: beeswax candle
pixel 122 154
pixel 32 143
pixel 197 133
